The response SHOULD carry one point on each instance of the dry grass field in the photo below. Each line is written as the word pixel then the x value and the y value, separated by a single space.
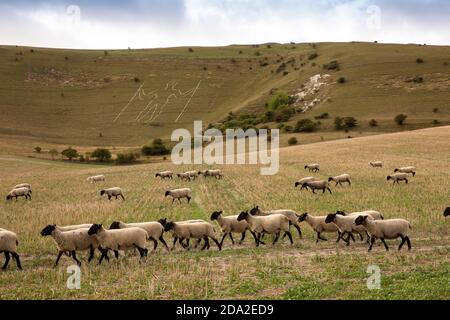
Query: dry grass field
pixel 305 270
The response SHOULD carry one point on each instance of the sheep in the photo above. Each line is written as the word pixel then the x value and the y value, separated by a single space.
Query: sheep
pixel 396 177
pixel 272 224
pixel 291 215
pixel 184 176
pixel 317 185
pixel 341 179
pixel 72 241
pixel 20 192
pixel 411 170
pixel 192 174
pixel 315 167
pixel 112 192
pixel 180 194
pixel 374 214
pixel 99 178
pixel 376 164
pixel 155 230
pixel 164 175
pixel 164 221
pixel 199 230
pixel 347 225
pixel 212 173
pixel 121 239
pixel 75 227
pixel 8 245
pixel 23 185
pixel 386 229
pixel 447 212
pixel 230 225
pixel 317 223
pixel 304 180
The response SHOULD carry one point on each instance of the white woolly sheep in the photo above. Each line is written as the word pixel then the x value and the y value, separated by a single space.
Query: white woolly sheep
pixel 212 173
pixel 99 178
pixel 23 185
pixel 339 180
pixel 120 239
pixel 386 229
pixel 376 164
pixel 70 242
pixel 180 194
pixel 347 225
pixel 374 214
pixel 447 212
pixel 192 174
pixel 304 180
pixel 397 177
pixel 186 231
pixel 20 192
pixel 155 230
pixel 164 221
pixel 112 192
pixel 317 185
pixel 272 224
pixel 184 176
pixel 318 224
pixel 315 167
pixel 164 175
pixel 411 170
pixel 290 214
pixel 230 225
pixel 8 245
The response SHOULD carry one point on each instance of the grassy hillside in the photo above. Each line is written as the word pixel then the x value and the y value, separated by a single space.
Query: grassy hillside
pixel 304 271
pixel 66 97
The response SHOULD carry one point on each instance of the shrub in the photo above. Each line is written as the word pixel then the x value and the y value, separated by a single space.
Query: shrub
pixel 345 123
pixel 66 58
pixel 281 68
pixel 288 129
pixel 37 149
pixel 156 149
pixel 105 53
pixel 400 119
pixel 436 122
pixel 70 153
pixel 305 125
pixel 333 65
pixel 292 141
pixel 81 158
pixel 136 79
pixel 342 80
pixel 313 56
pixel 126 158
pixel 373 123
pixel 285 73
pixel 53 153
pixel 323 116
pixel 191 50
pixel 281 99
pixel 338 123
pixel 435 110
pixel 101 154
pixel 419 60
pixel 257 53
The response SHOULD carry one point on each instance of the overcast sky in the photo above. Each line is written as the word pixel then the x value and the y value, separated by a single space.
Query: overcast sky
pixel 112 24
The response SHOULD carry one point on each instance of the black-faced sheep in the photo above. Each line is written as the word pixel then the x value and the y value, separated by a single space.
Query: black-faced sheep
pixel 317 185
pixel 290 214
pixel 411 170
pixel 347 226
pixel 164 175
pixel 20 192
pixel 318 224
pixel 155 230
pixel 8 245
pixel 186 231
pixel 447 212
pixel 339 180
pixel 180 194
pixel 376 164
pixel 230 225
pixel 112 192
pixel 94 179
pixel 304 180
pixel 397 177
pixel 315 167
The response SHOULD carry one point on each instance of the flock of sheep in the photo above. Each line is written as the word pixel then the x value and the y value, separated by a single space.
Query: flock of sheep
pixel 120 236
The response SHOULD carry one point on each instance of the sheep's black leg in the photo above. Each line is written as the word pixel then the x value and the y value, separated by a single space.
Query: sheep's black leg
pixel 174 242
pixel 406 180
pixel 206 243
pixel 91 253
pixel 339 237
pixel 7 258
pixel 189 199
pixel 74 257
pixel 255 237
pixel 116 254
pixel 323 190
pixel 103 256
pixel 59 257
pixel 243 237
pixel 277 236
pixel 349 182
pixel 179 200
pixel 223 238
pixel 329 190
pixel 319 237
pixel 161 239
pixel 231 237
pixel 109 197
pixel 385 244
pixel 414 174
pixel 350 235
pixel 123 198
pixel 288 233
pixel 313 190
pixel 372 241
pixel 361 238
pixel 299 231
pixel 155 243
pixel 173 200
pixel 217 243
pixel 409 242
pixel 402 243
pixel 16 257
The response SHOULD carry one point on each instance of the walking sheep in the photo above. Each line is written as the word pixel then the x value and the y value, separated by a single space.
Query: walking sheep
pixel 347 226
pixel 112 192
pixel 397 177
pixel 184 176
pixel 290 214
pixel 8 245
pixel 20 192
pixel 94 179
pixel 376 164
pixel 155 230
pixel 315 167
pixel 339 180
pixel 230 225
pixel 317 185
pixel 180 194
pixel 411 170
pixel 164 175
pixel 211 173
pixel 186 231
pixel 386 229
pixel 318 224
pixel 304 180
pixel 447 212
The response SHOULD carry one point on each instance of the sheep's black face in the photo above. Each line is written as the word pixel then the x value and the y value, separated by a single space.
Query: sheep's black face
pixel 388 178
pixel 167 193
pixel 360 220
pixel 330 179
pixel 341 213
pixel 102 192
pixel 8 197
pixel 215 215
pixel 297 184
pixel 94 229
pixel 304 186
pixel 396 170
pixel 115 225
pixel 302 217
pixel 306 167
pixel 242 216
pixel 169 226
pixel 254 211
pixel 47 231
pixel 447 212
pixel 163 222
pixel 330 218
pixel 157 175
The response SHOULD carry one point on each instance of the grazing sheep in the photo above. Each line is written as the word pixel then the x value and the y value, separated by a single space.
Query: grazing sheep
pixel 290 214
pixel 317 223
pixel 155 230
pixel 184 176
pixel 20 192
pixel 121 239
pixel 8 245
pixel 315 167
pixel 212 173
pixel 304 180
pixel 317 185
pixel 230 225
pixel 347 225
pixel 447 212
pixel 186 231
pixel 341 179
pixel 386 229
pixel 376 164
pixel 70 242
pixel 411 170
pixel 180 194
pixel 113 192
pixel 164 175
pixel 272 224
pixel 94 179
pixel 396 177
pixel 23 185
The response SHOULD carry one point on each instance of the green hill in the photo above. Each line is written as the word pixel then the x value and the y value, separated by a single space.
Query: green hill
pixel 127 98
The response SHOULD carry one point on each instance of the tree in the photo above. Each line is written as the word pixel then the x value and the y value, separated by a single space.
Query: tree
pixel 38 149
pixel 373 123
pixel 293 141
pixel 126 158
pixel 53 153
pixel 70 153
pixel 156 149
pixel 305 125
pixel 350 122
pixel 338 123
pixel 400 119
pixel 101 154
